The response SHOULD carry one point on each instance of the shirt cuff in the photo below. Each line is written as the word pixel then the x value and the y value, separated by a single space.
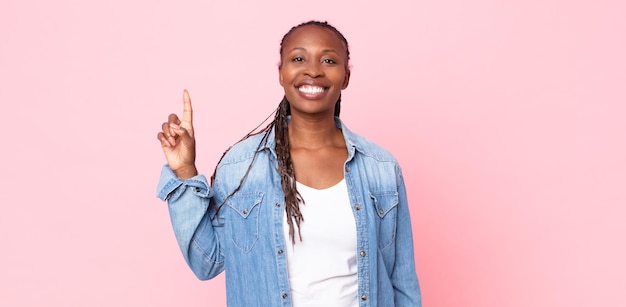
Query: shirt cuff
pixel 171 187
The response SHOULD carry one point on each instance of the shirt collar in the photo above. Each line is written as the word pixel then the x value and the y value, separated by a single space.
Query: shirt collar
pixel 353 141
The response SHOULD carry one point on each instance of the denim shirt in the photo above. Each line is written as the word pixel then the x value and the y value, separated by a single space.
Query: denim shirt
pixel 246 237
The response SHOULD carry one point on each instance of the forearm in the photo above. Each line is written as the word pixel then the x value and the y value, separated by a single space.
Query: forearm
pixel 188 204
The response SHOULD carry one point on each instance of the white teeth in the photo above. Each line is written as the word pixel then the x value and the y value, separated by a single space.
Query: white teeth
pixel 311 89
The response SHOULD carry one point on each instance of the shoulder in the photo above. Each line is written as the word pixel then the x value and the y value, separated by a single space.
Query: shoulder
pixel 375 162
pixel 369 148
pixel 366 147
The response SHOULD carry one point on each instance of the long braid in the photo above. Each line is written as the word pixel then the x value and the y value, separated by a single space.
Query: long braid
pixel 283 154
pixel 263 141
pixel 285 165
pixel 286 171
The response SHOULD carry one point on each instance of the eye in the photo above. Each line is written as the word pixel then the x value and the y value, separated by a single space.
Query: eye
pixel 297 59
pixel 329 61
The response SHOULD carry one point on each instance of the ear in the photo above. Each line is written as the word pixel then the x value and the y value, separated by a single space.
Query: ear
pixel 346 80
pixel 280 75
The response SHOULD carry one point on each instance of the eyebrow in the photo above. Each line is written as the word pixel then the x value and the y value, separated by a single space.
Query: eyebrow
pixel 323 51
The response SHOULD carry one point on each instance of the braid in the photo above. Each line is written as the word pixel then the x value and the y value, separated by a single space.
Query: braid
pixel 263 142
pixel 285 169
pixel 285 166
pixel 280 126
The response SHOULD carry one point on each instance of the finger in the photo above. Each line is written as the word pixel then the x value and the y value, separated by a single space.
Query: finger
pixel 163 139
pixel 173 119
pixel 187 110
pixel 166 129
pixel 169 134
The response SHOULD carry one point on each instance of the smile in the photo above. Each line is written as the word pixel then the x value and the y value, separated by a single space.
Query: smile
pixel 309 89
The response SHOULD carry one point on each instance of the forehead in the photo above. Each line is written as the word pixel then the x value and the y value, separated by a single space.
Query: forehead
pixel 314 36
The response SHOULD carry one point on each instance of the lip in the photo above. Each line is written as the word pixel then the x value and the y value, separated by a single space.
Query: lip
pixel 313 83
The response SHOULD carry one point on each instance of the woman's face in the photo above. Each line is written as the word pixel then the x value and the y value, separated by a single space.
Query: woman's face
pixel 313 70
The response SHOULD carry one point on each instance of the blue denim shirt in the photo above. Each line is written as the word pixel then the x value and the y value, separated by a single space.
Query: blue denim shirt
pixel 246 238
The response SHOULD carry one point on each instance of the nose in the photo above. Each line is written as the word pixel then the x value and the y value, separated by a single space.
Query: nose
pixel 314 69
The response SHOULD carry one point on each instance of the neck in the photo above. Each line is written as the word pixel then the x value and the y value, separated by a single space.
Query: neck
pixel 313 132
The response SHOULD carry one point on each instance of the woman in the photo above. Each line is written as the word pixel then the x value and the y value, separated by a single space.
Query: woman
pixel 303 213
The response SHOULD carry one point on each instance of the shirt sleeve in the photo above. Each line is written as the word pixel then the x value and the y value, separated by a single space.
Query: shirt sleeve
pixel 404 278
pixel 194 222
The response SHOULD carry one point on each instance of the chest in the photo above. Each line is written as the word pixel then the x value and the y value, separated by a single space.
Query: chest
pixel 254 215
pixel 321 168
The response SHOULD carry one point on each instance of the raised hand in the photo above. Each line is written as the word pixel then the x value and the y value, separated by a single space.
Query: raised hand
pixel 178 143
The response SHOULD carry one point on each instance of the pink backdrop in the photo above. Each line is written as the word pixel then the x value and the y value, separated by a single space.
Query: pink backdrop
pixel 507 116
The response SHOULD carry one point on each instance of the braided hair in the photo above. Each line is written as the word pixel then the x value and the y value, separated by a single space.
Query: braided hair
pixel 279 125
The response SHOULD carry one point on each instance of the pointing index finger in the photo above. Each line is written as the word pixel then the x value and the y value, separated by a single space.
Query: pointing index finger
pixel 187 110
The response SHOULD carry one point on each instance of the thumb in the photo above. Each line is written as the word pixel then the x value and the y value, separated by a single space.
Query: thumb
pixel 179 130
pixel 184 137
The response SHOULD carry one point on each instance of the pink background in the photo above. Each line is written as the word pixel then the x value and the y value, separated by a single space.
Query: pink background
pixel 508 118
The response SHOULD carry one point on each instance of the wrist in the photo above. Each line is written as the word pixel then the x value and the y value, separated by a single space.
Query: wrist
pixel 186 172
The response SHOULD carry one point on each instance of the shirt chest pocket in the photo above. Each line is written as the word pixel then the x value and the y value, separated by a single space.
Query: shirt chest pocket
pixel 243 222
pixel 386 205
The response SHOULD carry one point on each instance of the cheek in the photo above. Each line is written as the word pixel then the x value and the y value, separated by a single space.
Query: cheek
pixel 340 77
pixel 283 76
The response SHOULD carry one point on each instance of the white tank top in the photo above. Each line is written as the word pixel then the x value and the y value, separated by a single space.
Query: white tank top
pixel 322 267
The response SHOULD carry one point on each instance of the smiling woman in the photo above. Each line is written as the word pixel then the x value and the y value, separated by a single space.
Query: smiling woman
pixel 314 69
pixel 304 172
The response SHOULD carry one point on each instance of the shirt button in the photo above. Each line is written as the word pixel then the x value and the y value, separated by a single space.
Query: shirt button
pixel 245 211
pixel 357 207
pixel 347 168
pixel 381 211
pixel 280 251
pixel 364 297
pixel 277 204
pixel 284 295
pixel 363 254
